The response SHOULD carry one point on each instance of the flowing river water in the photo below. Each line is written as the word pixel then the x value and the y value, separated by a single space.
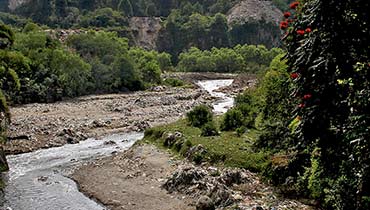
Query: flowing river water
pixel 39 180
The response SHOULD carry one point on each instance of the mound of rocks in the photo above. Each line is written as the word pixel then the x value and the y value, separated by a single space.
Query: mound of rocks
pixel 211 186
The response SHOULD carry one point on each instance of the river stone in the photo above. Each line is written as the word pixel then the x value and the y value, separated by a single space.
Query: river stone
pixel 205 203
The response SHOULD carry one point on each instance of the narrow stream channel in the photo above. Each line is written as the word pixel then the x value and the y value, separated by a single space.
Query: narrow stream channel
pixel 39 180
pixel 225 102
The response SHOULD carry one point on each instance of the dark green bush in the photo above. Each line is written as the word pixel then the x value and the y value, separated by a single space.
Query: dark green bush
pixel 232 120
pixel 275 137
pixel 209 129
pixel 174 82
pixel 199 116
pixel 240 131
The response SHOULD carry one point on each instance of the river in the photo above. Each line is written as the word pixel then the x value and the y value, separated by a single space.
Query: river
pixel 39 180
pixel 224 102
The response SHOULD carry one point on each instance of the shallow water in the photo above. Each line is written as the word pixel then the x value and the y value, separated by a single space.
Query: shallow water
pixel 37 180
pixel 225 102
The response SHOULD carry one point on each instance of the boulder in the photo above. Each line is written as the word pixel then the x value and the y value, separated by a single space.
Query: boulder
pixel 205 203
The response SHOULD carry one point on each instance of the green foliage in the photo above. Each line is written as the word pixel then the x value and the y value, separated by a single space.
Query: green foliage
pixel 115 67
pixel 104 17
pixel 225 149
pixel 232 120
pixel 329 102
pixel 209 129
pixel 6 36
pixel 73 73
pixel 240 131
pixel 151 73
pixel 30 27
pixel 126 76
pixel 173 82
pixel 199 116
pixel 13 20
pixel 150 64
pixel 250 33
pixel 247 58
pixel 153 133
pixel 7 77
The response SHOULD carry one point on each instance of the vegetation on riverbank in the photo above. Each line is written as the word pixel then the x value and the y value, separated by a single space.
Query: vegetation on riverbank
pixel 227 149
pixel 91 62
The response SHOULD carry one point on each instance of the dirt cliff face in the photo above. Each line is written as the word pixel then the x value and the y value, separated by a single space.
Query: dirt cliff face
pixel 145 31
pixel 255 22
pixel 254 10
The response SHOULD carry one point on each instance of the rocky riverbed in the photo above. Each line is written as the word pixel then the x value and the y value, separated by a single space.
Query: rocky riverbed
pixel 36 126
pixel 144 177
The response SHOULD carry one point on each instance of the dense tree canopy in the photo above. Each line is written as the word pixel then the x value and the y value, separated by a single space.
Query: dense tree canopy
pixel 241 58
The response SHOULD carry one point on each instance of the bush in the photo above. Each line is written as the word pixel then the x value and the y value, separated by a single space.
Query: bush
pixel 199 116
pixel 240 131
pixel 173 82
pixel 275 137
pixel 232 120
pixel 209 129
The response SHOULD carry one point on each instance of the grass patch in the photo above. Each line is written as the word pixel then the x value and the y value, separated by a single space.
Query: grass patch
pixel 228 149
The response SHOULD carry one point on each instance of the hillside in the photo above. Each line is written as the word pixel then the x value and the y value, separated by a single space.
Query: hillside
pixel 227 22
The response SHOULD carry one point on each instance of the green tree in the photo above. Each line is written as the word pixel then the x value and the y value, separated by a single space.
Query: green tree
pixel 332 90
pixel 6 74
pixel 126 76
pixel 73 73
pixel 126 7
pixel 151 73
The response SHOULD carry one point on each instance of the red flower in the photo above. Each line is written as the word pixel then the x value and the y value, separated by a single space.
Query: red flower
pixel 308 30
pixel 307 96
pixel 300 32
pixel 301 105
pixel 287 14
pixel 294 75
pixel 283 25
pixel 294 5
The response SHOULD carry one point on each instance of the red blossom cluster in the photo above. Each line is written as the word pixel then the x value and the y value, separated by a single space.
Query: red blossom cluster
pixel 287 14
pixel 307 96
pixel 284 25
pixel 300 32
pixel 308 30
pixel 294 75
pixel 294 5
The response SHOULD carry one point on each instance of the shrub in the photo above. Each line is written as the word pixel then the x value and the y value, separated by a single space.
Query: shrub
pixel 232 120
pixel 240 131
pixel 209 129
pixel 173 82
pixel 275 137
pixel 199 116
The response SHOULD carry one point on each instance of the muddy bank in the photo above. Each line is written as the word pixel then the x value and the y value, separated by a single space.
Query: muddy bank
pixel 36 126
pixel 145 177
pixel 135 180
